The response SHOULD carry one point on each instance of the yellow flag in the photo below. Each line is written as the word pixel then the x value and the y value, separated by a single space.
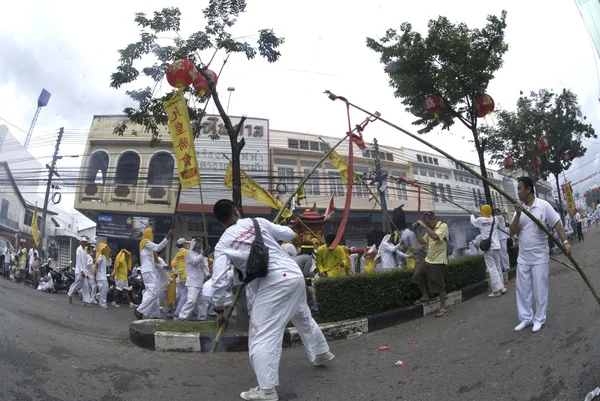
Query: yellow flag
pixel 339 163
pixel 252 189
pixel 183 140
pixel 34 227
pixel 300 195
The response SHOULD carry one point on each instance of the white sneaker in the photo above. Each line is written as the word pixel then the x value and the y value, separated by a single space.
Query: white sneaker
pixel 494 294
pixel 323 358
pixel 132 305
pixel 104 306
pixel 255 394
pixel 536 327
pixel 503 291
pixel 522 325
pixel 114 304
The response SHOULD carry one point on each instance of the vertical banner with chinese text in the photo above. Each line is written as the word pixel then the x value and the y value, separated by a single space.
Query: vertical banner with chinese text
pixel 183 140
pixel 568 192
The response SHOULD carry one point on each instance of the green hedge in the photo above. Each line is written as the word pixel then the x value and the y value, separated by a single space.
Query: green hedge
pixel 361 295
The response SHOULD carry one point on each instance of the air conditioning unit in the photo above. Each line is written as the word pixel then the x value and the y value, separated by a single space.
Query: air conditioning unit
pixel 158 194
pixel 123 193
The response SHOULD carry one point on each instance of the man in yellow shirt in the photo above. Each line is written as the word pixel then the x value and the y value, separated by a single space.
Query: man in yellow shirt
pixel 332 263
pixel 430 275
pixel 178 263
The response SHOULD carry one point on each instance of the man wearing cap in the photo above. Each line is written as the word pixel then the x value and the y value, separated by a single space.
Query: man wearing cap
pixel 178 263
pixel 80 263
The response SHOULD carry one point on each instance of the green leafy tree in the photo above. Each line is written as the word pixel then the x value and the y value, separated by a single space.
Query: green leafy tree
pixel 557 118
pixel 160 41
pixel 454 62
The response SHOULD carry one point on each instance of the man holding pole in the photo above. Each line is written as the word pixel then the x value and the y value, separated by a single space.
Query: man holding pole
pixel 279 297
pixel 534 254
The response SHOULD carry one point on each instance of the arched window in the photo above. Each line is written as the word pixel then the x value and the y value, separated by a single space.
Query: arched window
pixel 97 168
pixel 128 169
pixel 161 168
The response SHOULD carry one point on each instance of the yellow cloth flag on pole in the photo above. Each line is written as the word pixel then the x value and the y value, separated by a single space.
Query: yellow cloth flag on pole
pixel 300 195
pixel 34 227
pixel 183 140
pixel 339 163
pixel 253 190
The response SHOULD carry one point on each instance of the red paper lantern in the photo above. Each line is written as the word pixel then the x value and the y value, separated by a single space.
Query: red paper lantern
pixel 509 163
pixel 181 73
pixel 538 162
pixel 434 104
pixel 201 84
pixel 566 157
pixel 485 105
pixel 543 145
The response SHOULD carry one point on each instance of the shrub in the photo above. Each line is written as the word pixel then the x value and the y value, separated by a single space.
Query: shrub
pixel 361 295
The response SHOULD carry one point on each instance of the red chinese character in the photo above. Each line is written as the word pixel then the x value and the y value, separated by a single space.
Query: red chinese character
pixel 179 128
pixel 183 144
pixel 187 160
pixel 176 113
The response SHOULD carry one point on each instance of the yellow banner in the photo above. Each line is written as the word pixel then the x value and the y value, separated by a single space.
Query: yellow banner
pixel 183 140
pixel 300 195
pixel 253 190
pixel 34 227
pixel 339 163
pixel 568 192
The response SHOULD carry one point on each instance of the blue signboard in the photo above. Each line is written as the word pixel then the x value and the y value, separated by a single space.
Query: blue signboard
pixel 44 98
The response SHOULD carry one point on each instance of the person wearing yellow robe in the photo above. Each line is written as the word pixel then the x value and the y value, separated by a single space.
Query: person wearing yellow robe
pixel 179 263
pixel 121 275
pixel 333 263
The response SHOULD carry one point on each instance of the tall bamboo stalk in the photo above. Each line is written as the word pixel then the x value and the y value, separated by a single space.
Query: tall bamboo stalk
pixel 484 179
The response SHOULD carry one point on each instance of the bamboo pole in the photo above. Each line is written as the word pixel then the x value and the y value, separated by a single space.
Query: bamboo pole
pixel 203 214
pixel 174 218
pixel 491 184
pixel 470 212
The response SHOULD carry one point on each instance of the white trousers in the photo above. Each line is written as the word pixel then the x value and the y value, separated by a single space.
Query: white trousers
pixel 150 306
pixel 492 263
pixel 76 284
pixel 102 292
pixel 88 290
pixel 532 281
pixel 204 303
pixel 190 304
pixel 273 307
pixel 504 260
pixel 44 286
pixel 183 292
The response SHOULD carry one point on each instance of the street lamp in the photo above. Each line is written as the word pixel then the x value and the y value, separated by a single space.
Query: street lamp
pixel 230 89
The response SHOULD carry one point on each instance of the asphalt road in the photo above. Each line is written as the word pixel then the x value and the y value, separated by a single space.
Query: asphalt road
pixel 50 351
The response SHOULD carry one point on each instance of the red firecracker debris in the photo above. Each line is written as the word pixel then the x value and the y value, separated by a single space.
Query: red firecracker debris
pixel 399 364
pixel 412 342
pixel 383 348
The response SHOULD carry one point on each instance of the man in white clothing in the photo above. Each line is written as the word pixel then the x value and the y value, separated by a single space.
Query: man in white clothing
pixel 278 297
pixel 503 238
pixel 80 262
pixel 388 253
pixel 491 255
pixel 101 279
pixel 196 270
pixel 534 259
pixel 89 287
pixel 150 306
pixel 579 223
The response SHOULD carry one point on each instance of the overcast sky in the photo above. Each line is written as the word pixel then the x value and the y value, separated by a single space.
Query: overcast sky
pixel 70 48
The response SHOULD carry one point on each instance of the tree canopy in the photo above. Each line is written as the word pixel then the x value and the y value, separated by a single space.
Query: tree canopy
pixel 453 61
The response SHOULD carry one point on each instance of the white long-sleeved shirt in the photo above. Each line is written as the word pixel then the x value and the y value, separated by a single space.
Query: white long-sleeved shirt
pixel 577 218
pixel 80 260
pixel 89 267
pixel 234 248
pixel 101 268
pixel 485 225
pixel 147 261
pixel 195 269
pixel 501 223
pixel 388 250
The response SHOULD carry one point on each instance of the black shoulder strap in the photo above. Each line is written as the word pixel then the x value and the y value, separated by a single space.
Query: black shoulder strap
pixel 492 229
pixel 257 231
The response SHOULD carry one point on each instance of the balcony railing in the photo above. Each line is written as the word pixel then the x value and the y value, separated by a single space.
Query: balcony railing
pixel 9 223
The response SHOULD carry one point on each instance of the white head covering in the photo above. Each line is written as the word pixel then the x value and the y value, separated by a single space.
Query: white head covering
pixel 385 239
pixel 193 244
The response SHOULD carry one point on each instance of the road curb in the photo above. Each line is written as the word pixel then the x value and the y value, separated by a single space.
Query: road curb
pixel 143 332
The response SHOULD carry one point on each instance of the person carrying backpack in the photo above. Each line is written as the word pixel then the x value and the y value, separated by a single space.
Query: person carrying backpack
pixel 430 275
pixel 279 294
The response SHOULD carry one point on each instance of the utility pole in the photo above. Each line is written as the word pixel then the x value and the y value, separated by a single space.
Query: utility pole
pixel 51 172
pixel 380 178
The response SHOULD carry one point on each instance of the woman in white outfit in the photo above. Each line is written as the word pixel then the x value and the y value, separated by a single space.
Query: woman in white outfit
pixel 195 270
pixel 101 279
pixel 502 237
pixel 388 253
pixel 492 255
pixel 88 290
pixel 150 306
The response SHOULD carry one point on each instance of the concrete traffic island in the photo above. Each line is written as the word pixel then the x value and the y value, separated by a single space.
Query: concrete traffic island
pixel 163 335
